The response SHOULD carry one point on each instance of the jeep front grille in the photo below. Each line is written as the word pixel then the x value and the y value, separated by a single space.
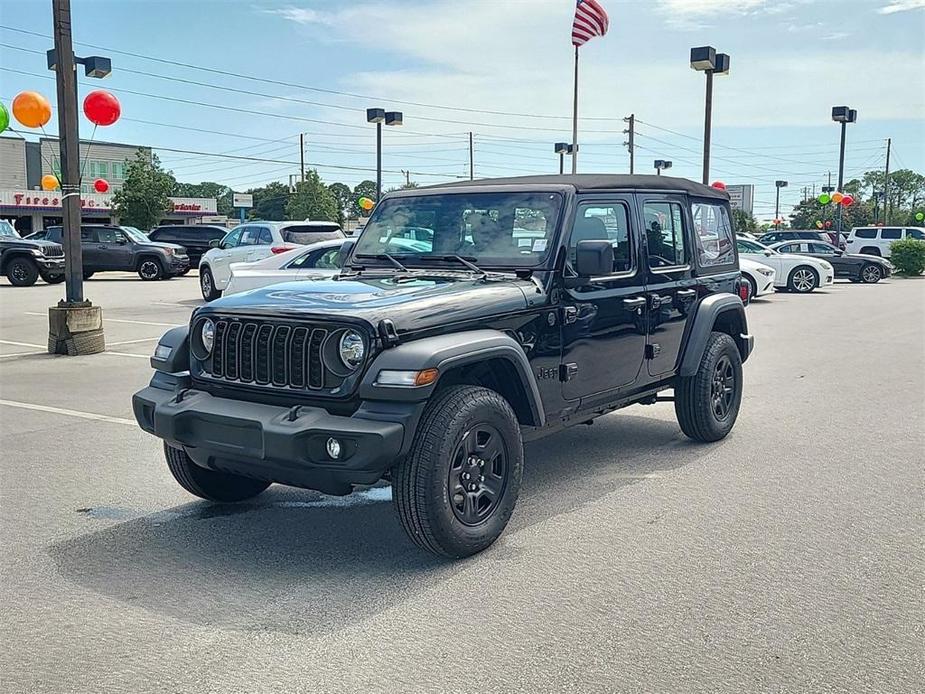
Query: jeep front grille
pixel 276 355
pixel 53 250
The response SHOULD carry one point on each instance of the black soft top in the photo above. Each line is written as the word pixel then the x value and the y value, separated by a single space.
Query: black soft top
pixel 595 182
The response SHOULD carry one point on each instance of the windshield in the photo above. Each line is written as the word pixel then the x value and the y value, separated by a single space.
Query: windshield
pixel 749 246
pixel 135 235
pixel 6 229
pixel 493 229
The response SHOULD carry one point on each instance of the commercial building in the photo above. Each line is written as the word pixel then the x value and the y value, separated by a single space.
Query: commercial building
pixel 29 208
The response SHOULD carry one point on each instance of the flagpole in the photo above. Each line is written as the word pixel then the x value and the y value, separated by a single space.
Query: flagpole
pixel 575 119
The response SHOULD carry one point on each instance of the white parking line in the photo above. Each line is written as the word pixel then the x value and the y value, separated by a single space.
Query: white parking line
pixel 22 344
pixel 129 354
pixel 118 320
pixel 22 354
pixel 68 413
pixel 132 342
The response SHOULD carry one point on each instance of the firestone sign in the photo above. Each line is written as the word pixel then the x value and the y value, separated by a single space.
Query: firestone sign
pixel 36 201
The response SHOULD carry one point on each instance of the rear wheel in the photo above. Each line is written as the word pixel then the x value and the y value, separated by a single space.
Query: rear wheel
pixel 22 272
pixel 456 489
pixel 752 288
pixel 871 274
pixel 207 284
pixel 803 279
pixel 151 269
pixel 210 484
pixel 88 275
pixel 707 403
pixel 53 279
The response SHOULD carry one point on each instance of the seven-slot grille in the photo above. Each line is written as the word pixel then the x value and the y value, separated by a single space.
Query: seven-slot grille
pixel 267 354
pixel 53 250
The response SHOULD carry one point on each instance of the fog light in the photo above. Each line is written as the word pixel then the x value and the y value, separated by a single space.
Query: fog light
pixel 333 448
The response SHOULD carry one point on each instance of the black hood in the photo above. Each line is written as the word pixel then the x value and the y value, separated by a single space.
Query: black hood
pixel 44 246
pixel 411 302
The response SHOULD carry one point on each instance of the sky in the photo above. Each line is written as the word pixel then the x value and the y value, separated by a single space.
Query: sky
pixel 501 70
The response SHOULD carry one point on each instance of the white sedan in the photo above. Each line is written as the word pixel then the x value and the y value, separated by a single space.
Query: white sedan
pixel 759 276
pixel 797 273
pixel 314 261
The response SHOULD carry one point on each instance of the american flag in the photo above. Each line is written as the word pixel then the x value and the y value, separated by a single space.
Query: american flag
pixel 590 21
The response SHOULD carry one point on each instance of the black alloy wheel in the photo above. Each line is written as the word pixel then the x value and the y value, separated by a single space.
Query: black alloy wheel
pixel 722 389
pixel 22 272
pixel 150 269
pixel 478 474
pixel 871 274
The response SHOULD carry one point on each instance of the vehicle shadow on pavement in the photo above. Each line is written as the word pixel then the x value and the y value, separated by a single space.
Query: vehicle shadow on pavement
pixel 295 561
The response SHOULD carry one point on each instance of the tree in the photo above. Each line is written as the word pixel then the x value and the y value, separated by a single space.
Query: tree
pixel 312 200
pixel 364 189
pixel 207 189
pixel 270 201
pixel 343 196
pixel 145 194
pixel 744 221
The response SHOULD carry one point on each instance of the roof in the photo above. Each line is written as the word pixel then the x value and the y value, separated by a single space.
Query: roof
pixel 595 182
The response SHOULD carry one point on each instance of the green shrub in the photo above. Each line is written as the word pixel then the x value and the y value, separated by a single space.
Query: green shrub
pixel 908 256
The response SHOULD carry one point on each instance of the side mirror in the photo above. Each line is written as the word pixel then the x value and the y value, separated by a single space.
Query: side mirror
pixel 215 243
pixel 344 251
pixel 768 252
pixel 593 258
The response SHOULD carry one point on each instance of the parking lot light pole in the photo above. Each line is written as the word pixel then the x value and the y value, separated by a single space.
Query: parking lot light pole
pixel 843 115
pixel 706 59
pixel 561 148
pixel 75 326
pixel 380 116
pixel 778 185
pixel 661 164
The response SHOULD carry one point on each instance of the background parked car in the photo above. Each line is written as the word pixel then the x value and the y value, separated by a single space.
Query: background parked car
pixel 771 237
pixel 23 261
pixel 316 260
pixel 195 238
pixel 857 268
pixel 798 273
pixel 877 240
pixel 760 277
pixel 106 247
pixel 255 241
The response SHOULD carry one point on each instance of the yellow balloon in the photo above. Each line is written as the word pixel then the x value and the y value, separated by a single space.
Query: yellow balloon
pixel 49 182
pixel 366 203
pixel 837 197
pixel 31 109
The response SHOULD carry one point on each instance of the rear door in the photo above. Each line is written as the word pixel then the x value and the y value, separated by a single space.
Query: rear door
pixel 887 236
pixel 671 285
pixel 260 243
pixel 604 321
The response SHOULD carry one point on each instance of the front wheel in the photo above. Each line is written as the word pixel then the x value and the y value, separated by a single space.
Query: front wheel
pixel 207 285
pixel 456 489
pixel 22 272
pixel 803 280
pixel 151 269
pixel 211 485
pixel 871 274
pixel 53 279
pixel 707 403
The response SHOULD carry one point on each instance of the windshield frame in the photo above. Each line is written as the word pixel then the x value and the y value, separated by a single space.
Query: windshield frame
pixel 7 230
pixel 430 260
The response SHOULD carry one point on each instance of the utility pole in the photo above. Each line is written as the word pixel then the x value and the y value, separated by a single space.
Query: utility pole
pixel 886 184
pixel 302 154
pixel 631 142
pixel 407 177
pixel 471 159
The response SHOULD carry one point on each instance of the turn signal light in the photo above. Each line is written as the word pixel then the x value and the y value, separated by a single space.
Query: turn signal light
pixel 426 377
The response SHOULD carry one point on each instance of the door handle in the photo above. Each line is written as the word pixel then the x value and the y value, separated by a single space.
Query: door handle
pixel 687 293
pixel 635 302
pixel 103 246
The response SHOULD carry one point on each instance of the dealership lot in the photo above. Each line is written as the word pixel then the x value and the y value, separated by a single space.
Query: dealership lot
pixel 788 556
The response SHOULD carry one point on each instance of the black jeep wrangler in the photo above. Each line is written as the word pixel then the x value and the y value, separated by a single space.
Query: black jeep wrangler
pixel 23 261
pixel 468 318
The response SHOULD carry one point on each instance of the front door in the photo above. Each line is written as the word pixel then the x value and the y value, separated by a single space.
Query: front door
pixel 604 321
pixel 672 289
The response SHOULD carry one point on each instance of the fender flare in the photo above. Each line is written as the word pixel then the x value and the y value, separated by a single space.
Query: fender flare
pixel 11 254
pixel 178 341
pixel 446 352
pixel 707 313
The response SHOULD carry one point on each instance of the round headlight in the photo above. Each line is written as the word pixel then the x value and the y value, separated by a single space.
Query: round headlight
pixel 207 333
pixel 352 349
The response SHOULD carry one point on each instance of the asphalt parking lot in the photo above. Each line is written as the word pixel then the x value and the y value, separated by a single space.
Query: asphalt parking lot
pixel 788 557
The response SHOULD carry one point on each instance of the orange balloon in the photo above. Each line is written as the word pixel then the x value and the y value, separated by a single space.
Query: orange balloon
pixel 49 182
pixel 31 109
pixel 837 197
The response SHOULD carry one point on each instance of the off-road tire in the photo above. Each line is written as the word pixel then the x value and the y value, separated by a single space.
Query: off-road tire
pixel 222 487
pixel 797 283
pixel 151 269
pixel 870 273
pixel 53 279
pixel 207 285
pixel 754 287
pixel 694 395
pixel 22 272
pixel 420 480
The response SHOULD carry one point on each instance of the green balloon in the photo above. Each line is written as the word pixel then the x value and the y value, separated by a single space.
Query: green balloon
pixel 919 216
pixel 4 117
pixel 824 199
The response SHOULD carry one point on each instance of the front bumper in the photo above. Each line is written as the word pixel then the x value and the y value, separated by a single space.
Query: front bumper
pixel 179 264
pixel 51 266
pixel 828 279
pixel 278 444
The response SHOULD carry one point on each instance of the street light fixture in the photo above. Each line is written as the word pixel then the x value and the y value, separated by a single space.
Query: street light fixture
pixel 706 59
pixel 380 116
pixel 843 115
pixel 778 185
pixel 661 164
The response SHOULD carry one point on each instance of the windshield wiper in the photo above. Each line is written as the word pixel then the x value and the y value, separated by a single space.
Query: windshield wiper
pixel 382 256
pixel 465 261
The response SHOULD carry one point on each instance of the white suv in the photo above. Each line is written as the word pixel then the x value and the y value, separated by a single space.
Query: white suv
pixel 877 240
pixel 255 241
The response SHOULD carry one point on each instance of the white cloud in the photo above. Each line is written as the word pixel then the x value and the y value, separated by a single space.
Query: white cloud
pixel 301 15
pixel 902 6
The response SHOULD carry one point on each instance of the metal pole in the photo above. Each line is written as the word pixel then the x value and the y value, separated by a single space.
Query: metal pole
pixel 777 209
pixel 302 154
pixel 378 161
pixel 471 159
pixel 561 163
pixel 632 144
pixel 69 139
pixel 707 126
pixel 658 172
pixel 841 172
pixel 886 184
pixel 575 119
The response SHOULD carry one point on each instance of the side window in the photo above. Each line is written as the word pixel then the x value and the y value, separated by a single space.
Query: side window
pixel 249 236
pixel 306 260
pixel 107 235
pixel 866 233
pixel 265 238
pixel 233 238
pixel 712 234
pixel 891 233
pixel 746 246
pixel 789 248
pixel 86 234
pixel 328 259
pixel 665 234
pixel 603 222
pixel 821 248
pixel 915 234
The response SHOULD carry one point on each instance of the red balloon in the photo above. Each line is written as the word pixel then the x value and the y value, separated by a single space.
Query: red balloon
pixel 101 185
pixel 719 185
pixel 847 200
pixel 828 224
pixel 102 108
